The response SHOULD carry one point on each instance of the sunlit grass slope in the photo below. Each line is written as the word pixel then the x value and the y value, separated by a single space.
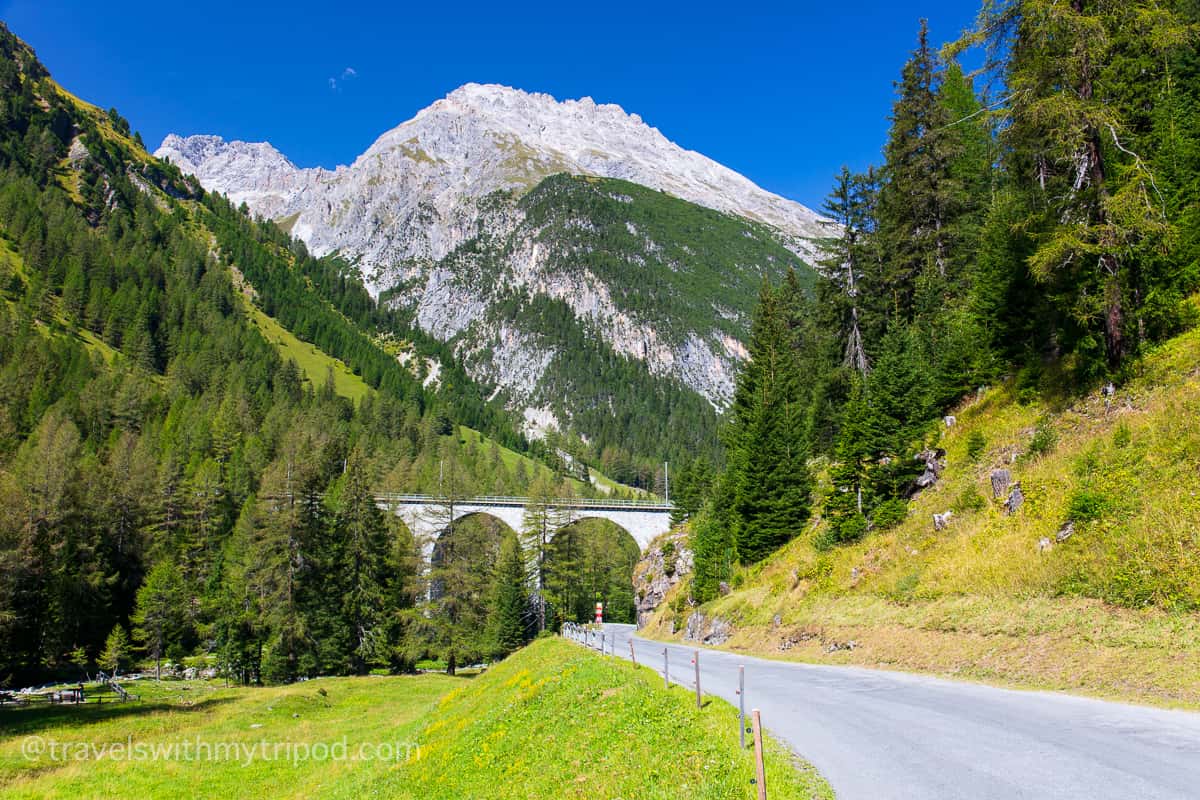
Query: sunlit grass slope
pixel 1109 609
pixel 362 710
pixel 558 721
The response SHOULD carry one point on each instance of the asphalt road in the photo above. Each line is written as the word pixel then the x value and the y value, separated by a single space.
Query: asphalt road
pixel 878 735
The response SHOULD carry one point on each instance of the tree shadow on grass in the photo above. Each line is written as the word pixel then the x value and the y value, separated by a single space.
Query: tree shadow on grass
pixel 40 714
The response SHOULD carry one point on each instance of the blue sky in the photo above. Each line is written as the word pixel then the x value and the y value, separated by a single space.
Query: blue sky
pixel 784 93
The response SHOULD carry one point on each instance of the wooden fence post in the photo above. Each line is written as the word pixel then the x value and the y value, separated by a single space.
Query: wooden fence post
pixel 760 770
pixel 696 661
pixel 632 655
pixel 666 670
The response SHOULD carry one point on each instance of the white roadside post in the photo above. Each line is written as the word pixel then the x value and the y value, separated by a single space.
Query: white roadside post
pixel 742 704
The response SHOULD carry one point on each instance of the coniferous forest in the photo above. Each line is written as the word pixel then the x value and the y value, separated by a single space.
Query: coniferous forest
pixel 1035 220
pixel 171 485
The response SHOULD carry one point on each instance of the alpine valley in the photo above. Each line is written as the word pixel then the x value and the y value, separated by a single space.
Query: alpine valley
pixel 578 263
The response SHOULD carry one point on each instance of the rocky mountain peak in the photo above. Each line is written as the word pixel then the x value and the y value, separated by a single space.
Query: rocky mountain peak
pixel 458 171
pixel 254 172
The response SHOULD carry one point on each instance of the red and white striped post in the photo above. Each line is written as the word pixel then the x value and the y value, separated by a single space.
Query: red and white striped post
pixel 599 613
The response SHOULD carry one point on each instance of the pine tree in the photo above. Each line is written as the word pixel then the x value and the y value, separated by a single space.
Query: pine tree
pixel 160 613
pixel 365 564
pixel 509 603
pixel 900 401
pixel 691 487
pixel 850 472
pixel 845 260
pixel 768 447
pixel 915 200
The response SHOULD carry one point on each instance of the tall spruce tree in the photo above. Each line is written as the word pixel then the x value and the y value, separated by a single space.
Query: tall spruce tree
pixel 510 602
pixel 915 200
pixel 850 471
pixel 365 567
pixel 768 439
pixel 846 259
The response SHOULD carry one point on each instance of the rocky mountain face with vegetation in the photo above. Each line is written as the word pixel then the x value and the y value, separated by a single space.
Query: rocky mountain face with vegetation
pixel 538 237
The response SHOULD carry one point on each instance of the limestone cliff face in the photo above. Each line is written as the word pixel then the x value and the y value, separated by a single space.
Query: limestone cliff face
pixel 434 215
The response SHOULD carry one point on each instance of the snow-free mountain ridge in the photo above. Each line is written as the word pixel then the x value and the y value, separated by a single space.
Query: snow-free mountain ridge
pixel 453 176
pixel 477 140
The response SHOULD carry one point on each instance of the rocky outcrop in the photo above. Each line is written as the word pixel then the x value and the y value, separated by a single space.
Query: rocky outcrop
pixel 934 460
pixel 666 562
pixel 1016 499
pixel 706 629
pixel 1001 478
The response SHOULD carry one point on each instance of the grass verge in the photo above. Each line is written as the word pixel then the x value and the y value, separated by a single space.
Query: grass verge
pixel 558 721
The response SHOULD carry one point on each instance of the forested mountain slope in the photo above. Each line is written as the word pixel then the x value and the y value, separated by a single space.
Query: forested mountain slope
pixel 166 469
pixel 600 276
pixel 1043 240
pixel 603 304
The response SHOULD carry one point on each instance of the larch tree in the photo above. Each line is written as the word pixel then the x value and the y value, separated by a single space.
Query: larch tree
pixel 1080 74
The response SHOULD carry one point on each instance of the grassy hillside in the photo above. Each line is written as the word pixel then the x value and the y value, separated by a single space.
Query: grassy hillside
pixel 313 363
pixel 1109 609
pixel 316 365
pixel 553 720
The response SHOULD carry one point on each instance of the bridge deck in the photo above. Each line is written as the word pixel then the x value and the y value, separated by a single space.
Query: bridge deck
pixel 597 504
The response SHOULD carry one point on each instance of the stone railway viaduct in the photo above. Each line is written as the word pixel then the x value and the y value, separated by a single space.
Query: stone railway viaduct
pixel 426 515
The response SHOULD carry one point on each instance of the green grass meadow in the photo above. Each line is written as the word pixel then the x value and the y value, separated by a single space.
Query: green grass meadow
pixel 552 721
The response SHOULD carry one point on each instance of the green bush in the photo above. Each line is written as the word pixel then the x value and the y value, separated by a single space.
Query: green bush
pixel 975 445
pixel 906 587
pixel 970 499
pixel 843 531
pixel 1086 505
pixel 1122 436
pixel 890 513
pixel 1044 439
pixel 1088 462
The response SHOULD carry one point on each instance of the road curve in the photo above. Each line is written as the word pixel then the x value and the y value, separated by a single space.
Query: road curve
pixel 878 735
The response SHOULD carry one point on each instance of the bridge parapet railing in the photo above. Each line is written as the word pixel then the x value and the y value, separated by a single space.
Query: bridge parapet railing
pixel 511 500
